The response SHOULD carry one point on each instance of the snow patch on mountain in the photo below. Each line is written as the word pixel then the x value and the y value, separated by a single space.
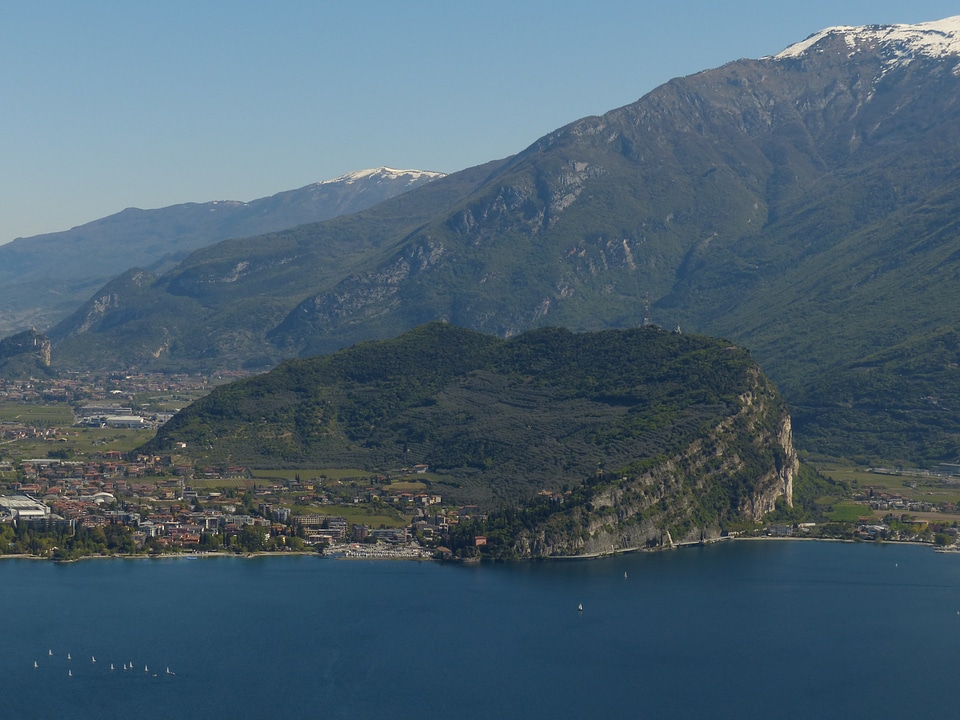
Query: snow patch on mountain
pixel 383 173
pixel 898 44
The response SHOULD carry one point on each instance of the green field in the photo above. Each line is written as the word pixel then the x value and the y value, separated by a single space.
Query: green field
pixel 80 442
pixel 848 511
pixel 912 486
pixel 315 474
pixel 347 475
pixel 74 442
pixel 36 415
pixel 406 486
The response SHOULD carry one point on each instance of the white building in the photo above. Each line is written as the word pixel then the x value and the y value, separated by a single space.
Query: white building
pixel 14 507
pixel 125 421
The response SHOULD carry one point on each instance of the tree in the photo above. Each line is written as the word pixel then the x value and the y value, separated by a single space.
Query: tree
pixel 252 538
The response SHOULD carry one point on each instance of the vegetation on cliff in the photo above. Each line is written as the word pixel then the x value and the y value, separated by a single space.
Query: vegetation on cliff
pixel 628 433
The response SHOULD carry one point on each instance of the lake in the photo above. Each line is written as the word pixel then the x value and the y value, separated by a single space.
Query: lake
pixel 780 629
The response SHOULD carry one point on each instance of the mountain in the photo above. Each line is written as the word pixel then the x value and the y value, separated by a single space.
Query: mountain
pixel 44 278
pixel 216 308
pixel 803 205
pixel 686 430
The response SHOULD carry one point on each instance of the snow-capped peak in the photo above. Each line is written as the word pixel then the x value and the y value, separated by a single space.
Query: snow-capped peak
pixel 384 173
pixel 899 44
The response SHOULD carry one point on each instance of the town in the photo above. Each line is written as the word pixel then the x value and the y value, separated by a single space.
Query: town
pixel 72 485
pixel 225 509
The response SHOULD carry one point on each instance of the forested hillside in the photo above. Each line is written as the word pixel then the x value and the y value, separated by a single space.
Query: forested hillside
pixel 685 427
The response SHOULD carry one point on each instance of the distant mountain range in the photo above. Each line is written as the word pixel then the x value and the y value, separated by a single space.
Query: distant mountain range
pixel 46 277
pixel 804 205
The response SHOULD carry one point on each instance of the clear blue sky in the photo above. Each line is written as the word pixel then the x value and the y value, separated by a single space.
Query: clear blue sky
pixel 113 104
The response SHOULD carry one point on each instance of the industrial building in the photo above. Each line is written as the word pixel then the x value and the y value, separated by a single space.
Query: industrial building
pixel 22 507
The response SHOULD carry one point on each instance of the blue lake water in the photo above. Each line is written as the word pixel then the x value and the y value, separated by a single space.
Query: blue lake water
pixel 737 630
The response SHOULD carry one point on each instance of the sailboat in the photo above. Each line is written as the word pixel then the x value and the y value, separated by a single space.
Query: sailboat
pixel 624 574
pixel 92 659
pixel 35 664
pixel 170 673
pixel 580 607
pixel 146 669
pixel 68 657
pixel 69 673
pixel 50 653
pixel 111 666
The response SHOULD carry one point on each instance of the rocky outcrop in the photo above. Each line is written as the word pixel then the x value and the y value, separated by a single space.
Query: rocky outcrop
pixel 24 353
pixel 109 303
pixel 737 471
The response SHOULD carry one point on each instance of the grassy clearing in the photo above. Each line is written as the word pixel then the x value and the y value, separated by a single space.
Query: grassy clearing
pixel 36 415
pixel 120 439
pixel 314 474
pixel 409 486
pixel 76 442
pixel 162 403
pixel 849 512
pixel 345 476
pixel 80 443
pixel 936 518
pixel 914 487
pixel 862 476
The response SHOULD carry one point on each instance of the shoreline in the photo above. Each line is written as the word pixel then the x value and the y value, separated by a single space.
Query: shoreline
pixel 381 555
pixel 164 556
pixel 757 538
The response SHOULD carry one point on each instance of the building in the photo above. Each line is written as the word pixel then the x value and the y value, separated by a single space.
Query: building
pixel 24 510
pixel 125 421
pixel 22 507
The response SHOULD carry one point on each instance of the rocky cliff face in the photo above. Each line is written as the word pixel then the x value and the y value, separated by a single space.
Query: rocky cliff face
pixel 24 353
pixel 738 471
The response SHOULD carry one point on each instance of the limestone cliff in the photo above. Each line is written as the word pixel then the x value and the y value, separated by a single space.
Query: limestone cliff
pixel 24 353
pixel 737 471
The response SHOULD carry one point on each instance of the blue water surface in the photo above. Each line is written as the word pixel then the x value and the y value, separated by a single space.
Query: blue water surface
pixel 737 630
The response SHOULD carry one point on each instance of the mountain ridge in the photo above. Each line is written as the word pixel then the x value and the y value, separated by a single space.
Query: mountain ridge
pixel 786 203
pixel 899 43
pixel 44 277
